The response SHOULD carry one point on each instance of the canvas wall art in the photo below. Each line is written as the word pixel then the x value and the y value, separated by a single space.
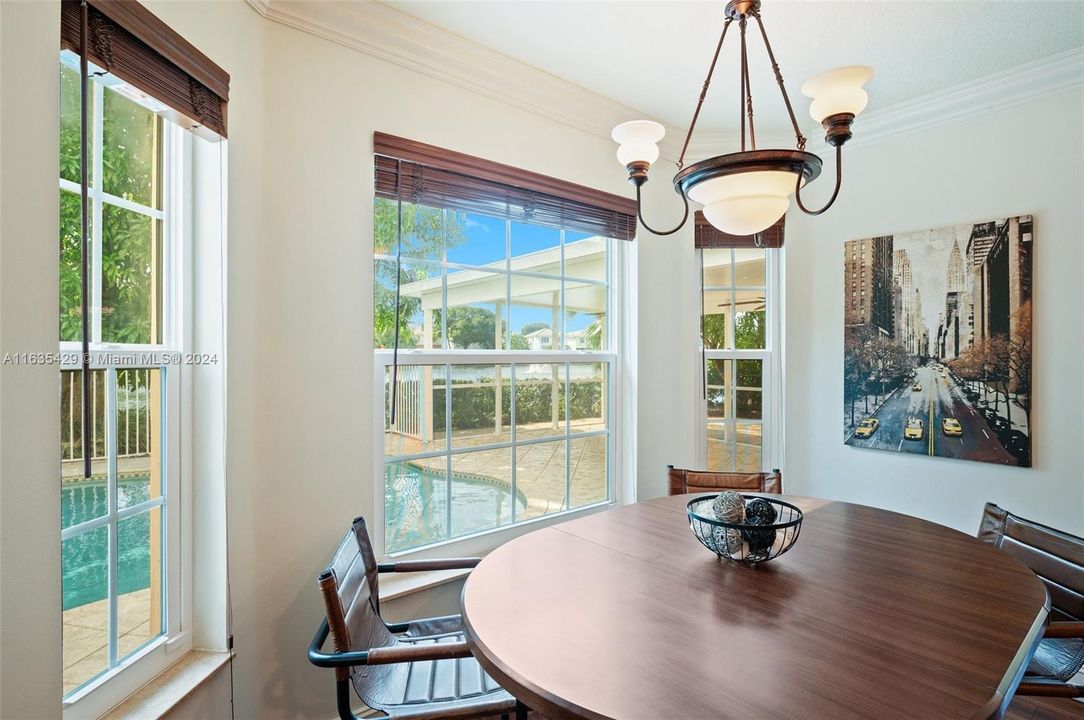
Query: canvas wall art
pixel 937 342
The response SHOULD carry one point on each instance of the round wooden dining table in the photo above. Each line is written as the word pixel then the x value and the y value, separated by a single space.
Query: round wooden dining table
pixel 872 614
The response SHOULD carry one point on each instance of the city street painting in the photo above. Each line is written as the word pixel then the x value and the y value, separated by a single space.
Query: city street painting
pixel 937 342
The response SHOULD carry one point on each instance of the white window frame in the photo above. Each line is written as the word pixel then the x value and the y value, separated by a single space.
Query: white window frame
pixel 105 691
pixel 617 491
pixel 771 421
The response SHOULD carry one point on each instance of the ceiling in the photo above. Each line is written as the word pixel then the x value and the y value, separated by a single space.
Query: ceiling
pixel 653 55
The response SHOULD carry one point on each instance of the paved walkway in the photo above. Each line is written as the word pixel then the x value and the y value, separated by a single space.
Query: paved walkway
pixel 540 467
pixel 86 635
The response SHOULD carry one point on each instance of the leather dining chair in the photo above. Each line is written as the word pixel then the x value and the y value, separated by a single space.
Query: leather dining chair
pixel 693 481
pixel 1057 558
pixel 420 676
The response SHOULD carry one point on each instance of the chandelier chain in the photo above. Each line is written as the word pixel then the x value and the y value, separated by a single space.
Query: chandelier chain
pixel 779 80
pixel 703 94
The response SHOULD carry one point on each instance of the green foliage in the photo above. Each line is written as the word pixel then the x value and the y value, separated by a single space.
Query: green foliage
pixel 750 330
pixel 533 327
pixel 471 327
pixel 425 232
pixel 131 140
pixel 473 406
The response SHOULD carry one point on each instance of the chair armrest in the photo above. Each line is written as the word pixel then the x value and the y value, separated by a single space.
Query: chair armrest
pixel 1050 689
pixel 383 655
pixel 1064 630
pixel 424 565
pixel 412 653
pixel 319 658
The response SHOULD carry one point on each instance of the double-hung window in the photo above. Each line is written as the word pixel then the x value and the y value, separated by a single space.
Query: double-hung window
pixel 119 527
pixel 503 399
pixel 740 414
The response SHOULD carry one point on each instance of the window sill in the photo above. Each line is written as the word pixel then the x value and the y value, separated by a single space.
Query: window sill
pixel 397 585
pixel 163 693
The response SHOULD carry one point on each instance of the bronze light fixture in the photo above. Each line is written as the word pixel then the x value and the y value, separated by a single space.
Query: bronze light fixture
pixel 745 192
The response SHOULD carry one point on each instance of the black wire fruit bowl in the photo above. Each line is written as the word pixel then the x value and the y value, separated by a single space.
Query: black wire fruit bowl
pixel 768 527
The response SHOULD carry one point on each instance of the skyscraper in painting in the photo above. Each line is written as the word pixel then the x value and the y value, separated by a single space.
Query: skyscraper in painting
pixel 938 341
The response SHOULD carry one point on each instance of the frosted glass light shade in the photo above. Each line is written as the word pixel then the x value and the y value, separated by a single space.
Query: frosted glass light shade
pixel 628 153
pixel 745 203
pixel 637 141
pixel 838 91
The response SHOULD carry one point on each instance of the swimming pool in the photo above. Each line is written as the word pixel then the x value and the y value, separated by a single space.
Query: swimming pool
pixel 416 505
pixel 85 558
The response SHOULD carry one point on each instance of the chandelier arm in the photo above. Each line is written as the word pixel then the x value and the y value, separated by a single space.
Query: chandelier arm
pixel 640 215
pixel 835 192
pixel 703 93
pixel 779 80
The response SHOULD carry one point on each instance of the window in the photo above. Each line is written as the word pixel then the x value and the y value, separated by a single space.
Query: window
pixel 120 533
pixel 739 331
pixel 504 397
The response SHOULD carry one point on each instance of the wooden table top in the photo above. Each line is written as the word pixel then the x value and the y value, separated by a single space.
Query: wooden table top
pixel 872 614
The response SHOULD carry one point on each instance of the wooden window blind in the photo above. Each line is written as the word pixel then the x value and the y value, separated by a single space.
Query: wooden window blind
pixel 429 175
pixel 130 42
pixel 709 237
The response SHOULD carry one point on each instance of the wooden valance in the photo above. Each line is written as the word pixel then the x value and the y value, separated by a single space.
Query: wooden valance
pixel 127 40
pixel 430 175
pixel 708 236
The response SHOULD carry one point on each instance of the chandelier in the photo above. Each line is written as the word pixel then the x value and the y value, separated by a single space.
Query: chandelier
pixel 745 192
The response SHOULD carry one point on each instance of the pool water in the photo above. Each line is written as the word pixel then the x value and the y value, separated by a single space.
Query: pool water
pixel 85 558
pixel 416 501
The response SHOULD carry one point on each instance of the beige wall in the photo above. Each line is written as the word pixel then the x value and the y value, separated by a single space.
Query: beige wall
pixel 966 171
pixel 29 287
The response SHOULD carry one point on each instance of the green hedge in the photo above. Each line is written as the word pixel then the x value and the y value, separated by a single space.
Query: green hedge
pixel 534 403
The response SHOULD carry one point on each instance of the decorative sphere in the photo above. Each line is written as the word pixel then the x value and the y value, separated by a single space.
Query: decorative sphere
pixel 759 512
pixel 729 507
pixel 727 540
pixel 762 510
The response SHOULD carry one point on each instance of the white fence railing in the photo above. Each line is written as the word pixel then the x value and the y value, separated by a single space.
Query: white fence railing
pixel 132 415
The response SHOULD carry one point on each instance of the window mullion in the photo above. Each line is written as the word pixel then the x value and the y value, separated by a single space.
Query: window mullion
pixel 96 194
pixel 512 434
pixel 111 493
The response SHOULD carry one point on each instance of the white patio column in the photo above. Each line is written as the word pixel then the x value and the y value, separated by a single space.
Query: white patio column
pixel 605 381
pixel 556 343
pixel 498 343
pixel 425 402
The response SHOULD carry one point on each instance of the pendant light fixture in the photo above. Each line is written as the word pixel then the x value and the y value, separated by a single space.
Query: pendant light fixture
pixel 745 192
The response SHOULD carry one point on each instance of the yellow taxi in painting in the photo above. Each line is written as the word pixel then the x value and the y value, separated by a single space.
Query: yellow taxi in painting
pixel 913 429
pixel 952 427
pixel 866 428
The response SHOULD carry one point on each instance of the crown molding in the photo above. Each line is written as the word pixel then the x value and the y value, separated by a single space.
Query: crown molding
pixel 388 34
pixel 391 35
pixel 1046 76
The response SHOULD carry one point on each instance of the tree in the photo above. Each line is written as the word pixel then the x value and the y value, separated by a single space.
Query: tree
pixel 1019 358
pixel 425 233
pixel 749 330
pixel 471 327
pixel 533 327
pixel 129 170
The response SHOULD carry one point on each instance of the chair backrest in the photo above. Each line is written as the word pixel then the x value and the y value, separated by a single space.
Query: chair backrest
pixel 692 481
pixel 1055 556
pixel 350 602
